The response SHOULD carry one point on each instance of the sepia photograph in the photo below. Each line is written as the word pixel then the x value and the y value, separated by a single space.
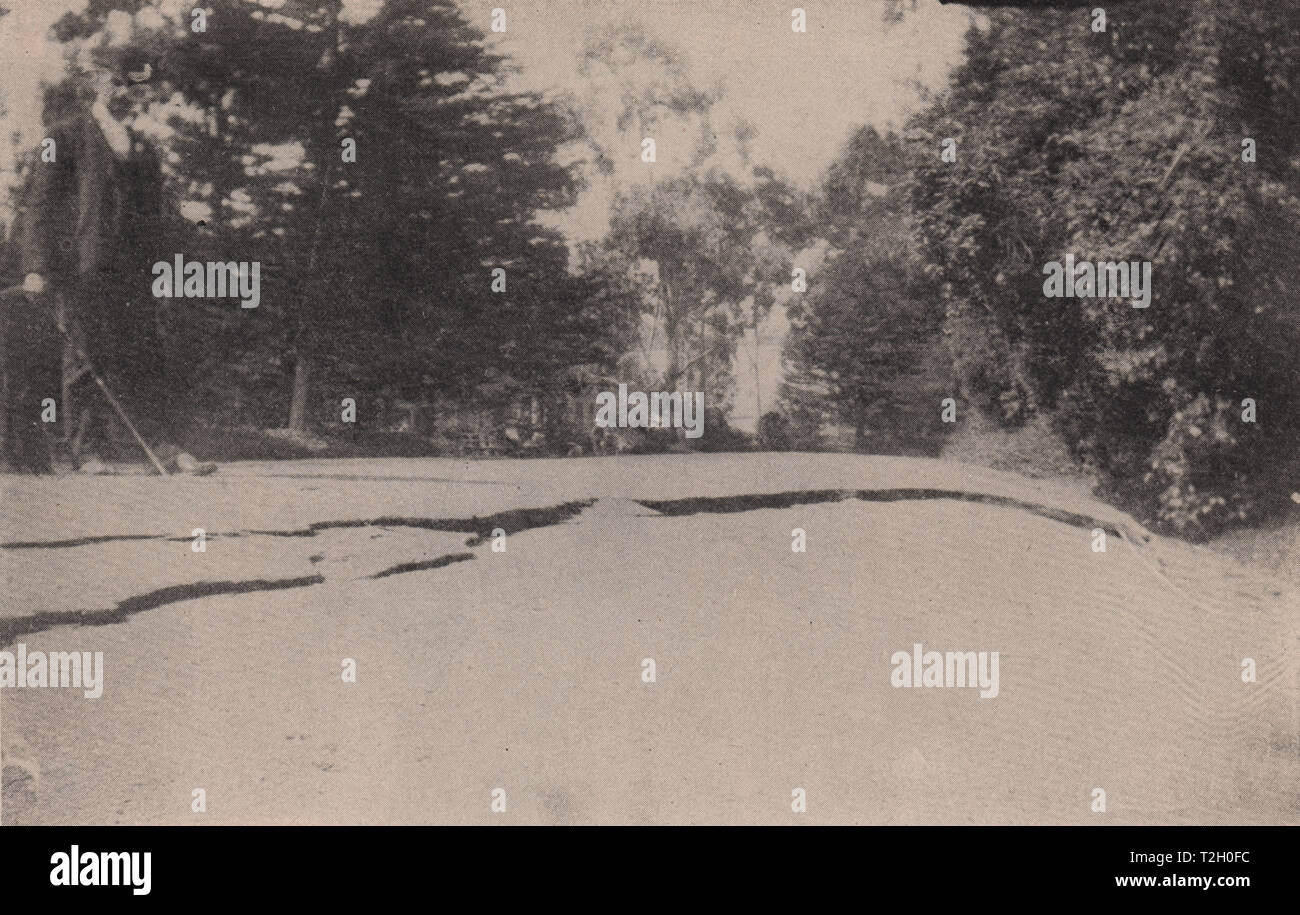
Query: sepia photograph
pixel 649 412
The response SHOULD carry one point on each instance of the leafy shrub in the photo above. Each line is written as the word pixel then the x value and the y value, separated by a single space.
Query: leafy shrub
pixel 774 432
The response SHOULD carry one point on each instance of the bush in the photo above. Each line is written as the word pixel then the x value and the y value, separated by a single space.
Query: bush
pixel 719 435
pixel 1068 147
pixel 774 432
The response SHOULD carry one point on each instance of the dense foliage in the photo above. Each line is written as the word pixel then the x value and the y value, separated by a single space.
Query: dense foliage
pixel 1128 144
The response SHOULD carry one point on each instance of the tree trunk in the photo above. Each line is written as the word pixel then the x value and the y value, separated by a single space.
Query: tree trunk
pixel 672 372
pixel 4 399
pixel 298 402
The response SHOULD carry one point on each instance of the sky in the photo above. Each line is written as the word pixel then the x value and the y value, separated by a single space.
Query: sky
pixel 803 93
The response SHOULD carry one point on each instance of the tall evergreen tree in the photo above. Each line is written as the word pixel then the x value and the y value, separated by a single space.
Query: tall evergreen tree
pixel 379 264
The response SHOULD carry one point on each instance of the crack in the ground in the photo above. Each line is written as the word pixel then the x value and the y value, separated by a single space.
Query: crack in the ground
pixel 76 541
pixel 752 502
pixel 422 564
pixel 714 505
pixel 511 521
pixel 15 627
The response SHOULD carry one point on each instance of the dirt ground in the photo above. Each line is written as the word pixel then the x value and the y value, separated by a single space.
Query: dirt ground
pixel 518 662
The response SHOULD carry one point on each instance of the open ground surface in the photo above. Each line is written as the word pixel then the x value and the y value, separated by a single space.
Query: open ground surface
pixel 522 669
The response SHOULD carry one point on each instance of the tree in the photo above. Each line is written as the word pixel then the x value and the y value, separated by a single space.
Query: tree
pixel 1127 145
pixel 379 264
pixel 704 235
pixel 863 338
pixel 705 243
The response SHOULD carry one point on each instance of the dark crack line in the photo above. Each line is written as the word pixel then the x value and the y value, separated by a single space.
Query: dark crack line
pixel 420 565
pixel 725 505
pixel 752 502
pixel 78 541
pixel 1074 519
pixel 512 522
pixel 11 629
